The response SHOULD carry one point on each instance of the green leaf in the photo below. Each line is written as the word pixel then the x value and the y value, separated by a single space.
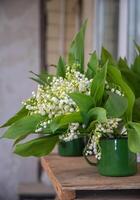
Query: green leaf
pixel 133 80
pixel 137 47
pixel 136 109
pixel 116 105
pixel 134 136
pixel 98 114
pixel 55 123
pixel 83 101
pixel 131 75
pixel 92 65
pixel 23 126
pixel 76 51
pixel 43 78
pixel 49 130
pixel 107 57
pixel 65 120
pixel 22 113
pixel 70 118
pixel 60 68
pixel 98 84
pixel 38 81
pixel 46 130
pixel 19 139
pixel 37 147
pixel 136 65
pixel 115 76
pixel 122 64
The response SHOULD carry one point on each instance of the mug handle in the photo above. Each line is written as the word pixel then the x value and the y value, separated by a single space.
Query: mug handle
pixel 89 161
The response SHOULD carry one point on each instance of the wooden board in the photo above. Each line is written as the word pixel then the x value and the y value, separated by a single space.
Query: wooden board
pixel 71 174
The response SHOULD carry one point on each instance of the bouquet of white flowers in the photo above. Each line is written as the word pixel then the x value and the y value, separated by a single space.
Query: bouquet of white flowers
pixel 95 103
pixel 53 100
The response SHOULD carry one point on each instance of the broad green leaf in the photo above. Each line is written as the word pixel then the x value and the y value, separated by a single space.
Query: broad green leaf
pixel 49 130
pixel 136 65
pixel 98 114
pixel 134 136
pixel 19 139
pixel 37 147
pixel 76 51
pixel 65 120
pixel 55 123
pixel 131 75
pixel 92 66
pixel 133 80
pixel 115 76
pixel 83 101
pixel 116 105
pixel 23 126
pixel 98 85
pixel 107 57
pixel 22 113
pixel 136 110
pixel 70 118
pixel 60 68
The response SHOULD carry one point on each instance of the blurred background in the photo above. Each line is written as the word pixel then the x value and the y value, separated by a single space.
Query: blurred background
pixel 33 34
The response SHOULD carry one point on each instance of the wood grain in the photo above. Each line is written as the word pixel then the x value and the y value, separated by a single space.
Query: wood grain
pixel 61 192
pixel 71 174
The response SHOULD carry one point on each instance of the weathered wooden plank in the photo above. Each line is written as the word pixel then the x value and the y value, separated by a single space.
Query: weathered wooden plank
pixel 73 173
pixel 61 193
pixel 72 176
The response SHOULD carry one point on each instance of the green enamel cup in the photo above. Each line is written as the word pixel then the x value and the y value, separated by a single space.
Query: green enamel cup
pixel 71 148
pixel 116 158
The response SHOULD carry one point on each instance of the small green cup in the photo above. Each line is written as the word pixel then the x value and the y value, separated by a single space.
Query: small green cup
pixel 72 148
pixel 116 158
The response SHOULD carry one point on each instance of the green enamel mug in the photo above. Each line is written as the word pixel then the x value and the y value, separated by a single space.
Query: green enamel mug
pixel 116 158
pixel 71 148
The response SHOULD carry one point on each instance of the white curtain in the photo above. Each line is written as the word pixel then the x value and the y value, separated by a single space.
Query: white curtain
pixel 107 12
pixel 133 27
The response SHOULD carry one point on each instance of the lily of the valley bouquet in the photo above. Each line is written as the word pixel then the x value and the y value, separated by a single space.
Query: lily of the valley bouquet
pixel 97 102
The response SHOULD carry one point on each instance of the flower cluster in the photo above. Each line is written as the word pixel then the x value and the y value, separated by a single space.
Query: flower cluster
pixel 42 126
pixel 53 99
pixel 72 133
pixel 93 146
pixel 114 89
pixel 106 129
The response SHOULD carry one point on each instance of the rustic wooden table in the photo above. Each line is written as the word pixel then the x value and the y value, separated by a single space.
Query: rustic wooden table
pixel 73 178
